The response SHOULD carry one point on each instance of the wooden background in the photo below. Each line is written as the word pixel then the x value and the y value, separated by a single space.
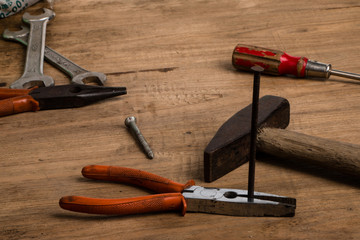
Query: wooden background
pixel 175 59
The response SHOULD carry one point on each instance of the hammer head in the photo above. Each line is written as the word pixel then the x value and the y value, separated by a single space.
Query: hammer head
pixel 230 147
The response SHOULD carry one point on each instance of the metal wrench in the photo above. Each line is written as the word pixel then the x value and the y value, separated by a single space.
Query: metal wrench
pixel 33 72
pixel 74 71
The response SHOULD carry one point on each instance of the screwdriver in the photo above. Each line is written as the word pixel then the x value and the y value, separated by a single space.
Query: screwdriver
pixel 276 62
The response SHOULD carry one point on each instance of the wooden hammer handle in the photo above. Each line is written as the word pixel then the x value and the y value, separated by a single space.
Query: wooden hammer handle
pixel 339 156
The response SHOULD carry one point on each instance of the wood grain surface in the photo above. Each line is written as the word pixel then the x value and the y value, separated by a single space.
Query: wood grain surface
pixel 174 57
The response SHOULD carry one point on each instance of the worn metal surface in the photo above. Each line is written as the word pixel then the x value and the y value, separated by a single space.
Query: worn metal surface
pixel 235 202
pixel 77 74
pixel 33 73
pixel 70 96
pixel 229 148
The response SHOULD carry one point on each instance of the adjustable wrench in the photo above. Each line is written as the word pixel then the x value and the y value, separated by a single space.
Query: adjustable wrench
pixel 74 71
pixel 33 72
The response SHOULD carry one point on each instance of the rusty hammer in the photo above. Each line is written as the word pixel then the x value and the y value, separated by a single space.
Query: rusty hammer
pixel 229 148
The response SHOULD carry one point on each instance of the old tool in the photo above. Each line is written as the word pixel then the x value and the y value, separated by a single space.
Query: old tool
pixel 175 197
pixel 33 73
pixel 280 63
pixel 130 122
pixel 77 74
pixel 55 97
pixel 229 148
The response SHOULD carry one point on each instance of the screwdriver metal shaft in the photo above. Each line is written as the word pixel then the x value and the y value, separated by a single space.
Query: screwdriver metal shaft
pixel 277 62
pixel 345 74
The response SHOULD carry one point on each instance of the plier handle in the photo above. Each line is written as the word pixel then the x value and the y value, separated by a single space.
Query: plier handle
pixel 169 199
pixel 14 101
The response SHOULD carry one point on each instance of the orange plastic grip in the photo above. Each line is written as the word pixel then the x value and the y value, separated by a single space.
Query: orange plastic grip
pixel 136 205
pixel 18 104
pixel 9 93
pixel 134 177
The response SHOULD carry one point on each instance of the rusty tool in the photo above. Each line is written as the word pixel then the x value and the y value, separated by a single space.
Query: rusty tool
pixel 14 101
pixel 175 197
pixel 229 148
pixel 280 63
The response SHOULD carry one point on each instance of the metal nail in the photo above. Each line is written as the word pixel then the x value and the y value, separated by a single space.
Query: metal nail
pixel 254 120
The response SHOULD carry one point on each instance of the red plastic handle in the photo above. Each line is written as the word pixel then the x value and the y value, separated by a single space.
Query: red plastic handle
pixel 17 105
pixel 136 205
pixel 274 62
pixel 134 177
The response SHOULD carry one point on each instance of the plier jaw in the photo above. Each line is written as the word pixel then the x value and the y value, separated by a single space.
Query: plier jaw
pixel 73 95
pixel 14 101
pixel 235 202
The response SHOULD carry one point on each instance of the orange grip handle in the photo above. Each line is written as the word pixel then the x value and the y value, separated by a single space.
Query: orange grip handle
pixel 9 93
pixel 18 104
pixel 127 206
pixel 134 177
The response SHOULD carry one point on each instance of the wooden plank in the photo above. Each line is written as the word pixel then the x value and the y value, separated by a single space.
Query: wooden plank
pixel 175 59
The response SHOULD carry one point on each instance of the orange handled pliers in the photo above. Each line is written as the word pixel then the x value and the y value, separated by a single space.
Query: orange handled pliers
pixel 174 197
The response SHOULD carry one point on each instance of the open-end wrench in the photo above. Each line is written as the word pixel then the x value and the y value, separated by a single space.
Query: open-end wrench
pixel 74 71
pixel 33 72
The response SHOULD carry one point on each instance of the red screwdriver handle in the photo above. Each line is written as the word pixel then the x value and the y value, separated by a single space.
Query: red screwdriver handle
pixel 274 62
pixel 126 206
pixel 134 177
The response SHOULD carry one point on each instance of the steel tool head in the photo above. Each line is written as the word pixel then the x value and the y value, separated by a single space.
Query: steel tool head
pixel 235 202
pixel 81 76
pixel 32 81
pixel 21 35
pixel 70 96
pixel 230 146
pixel 33 72
pixel 47 15
pixel 97 77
